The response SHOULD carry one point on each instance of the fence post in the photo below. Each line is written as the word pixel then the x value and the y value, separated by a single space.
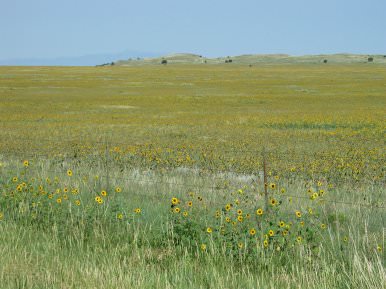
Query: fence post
pixel 106 167
pixel 265 182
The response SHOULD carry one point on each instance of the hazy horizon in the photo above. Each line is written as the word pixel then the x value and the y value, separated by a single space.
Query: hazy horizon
pixel 54 30
pixel 97 59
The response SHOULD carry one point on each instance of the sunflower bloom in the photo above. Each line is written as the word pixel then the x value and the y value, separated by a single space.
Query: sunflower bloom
pixel 175 201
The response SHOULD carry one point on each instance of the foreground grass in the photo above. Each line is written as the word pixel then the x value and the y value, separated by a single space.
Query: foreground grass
pixel 41 260
pixel 93 249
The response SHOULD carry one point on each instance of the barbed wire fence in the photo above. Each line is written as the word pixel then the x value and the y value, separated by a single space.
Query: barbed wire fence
pixel 259 178
pixel 219 179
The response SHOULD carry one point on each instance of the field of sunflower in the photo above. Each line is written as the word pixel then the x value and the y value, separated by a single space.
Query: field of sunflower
pixel 193 176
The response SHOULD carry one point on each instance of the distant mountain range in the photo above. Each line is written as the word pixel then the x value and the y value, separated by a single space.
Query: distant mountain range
pixel 136 58
pixel 85 60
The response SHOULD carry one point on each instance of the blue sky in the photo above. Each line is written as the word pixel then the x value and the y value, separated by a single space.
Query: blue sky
pixel 53 28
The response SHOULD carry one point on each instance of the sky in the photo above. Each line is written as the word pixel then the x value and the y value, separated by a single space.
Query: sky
pixel 53 29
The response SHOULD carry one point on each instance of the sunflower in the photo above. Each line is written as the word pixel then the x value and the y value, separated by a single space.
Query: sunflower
pixel 209 230
pixel 265 243
pixel 175 201
pixel 190 203
pixel 227 219
pixel 299 239
pixel 14 179
pixel 379 248
pixel 137 210
pixel 118 190
pixel 240 245
pixel 298 214
pixel 323 226
pixel 285 232
pixel 185 214
pixel 345 239
pixel 177 210
pixel 239 212
pixel 104 193
pixel 271 233
pixel 273 202
pixel 69 173
pixel 228 207
pixel 59 200
pixel 259 212
pixel 26 163
pixel 120 216
pixel 240 218
pixel 252 232
pixel 97 199
pixel 281 224
pixel 203 247
pixel 77 202
pixel 247 216
pixel 272 186
pixel 314 196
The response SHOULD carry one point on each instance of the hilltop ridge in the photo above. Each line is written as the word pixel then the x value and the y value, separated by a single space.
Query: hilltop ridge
pixel 251 59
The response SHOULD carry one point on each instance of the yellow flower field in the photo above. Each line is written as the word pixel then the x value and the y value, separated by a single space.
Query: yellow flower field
pixel 193 176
